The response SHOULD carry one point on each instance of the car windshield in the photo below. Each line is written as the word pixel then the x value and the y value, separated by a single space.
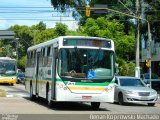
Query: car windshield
pixel 21 75
pixel 86 63
pixel 130 82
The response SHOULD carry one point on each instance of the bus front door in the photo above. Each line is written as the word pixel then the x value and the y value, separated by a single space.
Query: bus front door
pixel 54 66
pixel 37 73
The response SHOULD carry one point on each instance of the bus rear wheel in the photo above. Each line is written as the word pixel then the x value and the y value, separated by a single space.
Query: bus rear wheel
pixel 32 97
pixel 11 84
pixel 95 105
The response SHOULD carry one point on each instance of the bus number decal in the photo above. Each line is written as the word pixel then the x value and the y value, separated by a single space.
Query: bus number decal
pixel 71 83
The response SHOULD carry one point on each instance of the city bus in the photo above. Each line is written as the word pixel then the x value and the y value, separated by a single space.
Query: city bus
pixel 8 70
pixel 72 69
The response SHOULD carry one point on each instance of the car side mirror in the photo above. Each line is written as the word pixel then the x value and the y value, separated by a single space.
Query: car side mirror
pixel 116 85
pixel 148 85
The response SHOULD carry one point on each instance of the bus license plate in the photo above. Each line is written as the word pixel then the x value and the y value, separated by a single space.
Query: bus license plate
pixel 86 97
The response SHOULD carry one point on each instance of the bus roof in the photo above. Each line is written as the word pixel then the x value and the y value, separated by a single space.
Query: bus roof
pixel 6 58
pixel 61 38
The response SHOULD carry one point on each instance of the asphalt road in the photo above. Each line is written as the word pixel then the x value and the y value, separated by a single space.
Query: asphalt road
pixel 17 102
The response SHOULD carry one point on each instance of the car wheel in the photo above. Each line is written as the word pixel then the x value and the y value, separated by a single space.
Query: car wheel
pixel 120 99
pixel 95 105
pixel 151 104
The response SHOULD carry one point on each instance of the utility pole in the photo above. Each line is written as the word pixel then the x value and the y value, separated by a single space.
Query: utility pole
pixel 137 69
pixel 17 45
pixel 149 54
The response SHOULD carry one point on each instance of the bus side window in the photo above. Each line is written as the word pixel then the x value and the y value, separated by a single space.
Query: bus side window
pixel 28 59
pixel 33 58
pixel 44 56
pixel 49 58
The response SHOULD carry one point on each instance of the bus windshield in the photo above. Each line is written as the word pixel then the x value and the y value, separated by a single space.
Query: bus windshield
pixel 7 67
pixel 86 63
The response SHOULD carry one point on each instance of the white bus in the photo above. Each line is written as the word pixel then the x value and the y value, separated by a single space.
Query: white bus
pixel 73 69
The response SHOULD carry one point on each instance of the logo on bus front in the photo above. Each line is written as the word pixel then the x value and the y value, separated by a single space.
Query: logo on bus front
pixel 91 74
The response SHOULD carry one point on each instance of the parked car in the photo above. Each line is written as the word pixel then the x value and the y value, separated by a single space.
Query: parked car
pixel 133 90
pixel 21 77
pixel 155 80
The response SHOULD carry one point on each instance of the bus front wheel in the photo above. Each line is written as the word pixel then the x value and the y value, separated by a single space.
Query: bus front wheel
pixel 95 105
pixel 48 97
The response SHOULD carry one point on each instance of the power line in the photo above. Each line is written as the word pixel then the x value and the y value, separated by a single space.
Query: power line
pixel 38 19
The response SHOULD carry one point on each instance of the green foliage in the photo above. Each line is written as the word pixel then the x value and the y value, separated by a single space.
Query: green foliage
pixel 29 36
pixel 41 26
pixel 22 63
pixel 6 50
pixel 63 4
pixel 75 33
pixel 101 27
pixel 125 68
pixel 42 36
pixel 61 29
pixel 124 44
pixel 125 47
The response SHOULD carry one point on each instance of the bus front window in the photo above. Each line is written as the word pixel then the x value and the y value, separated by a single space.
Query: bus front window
pixel 7 67
pixel 86 63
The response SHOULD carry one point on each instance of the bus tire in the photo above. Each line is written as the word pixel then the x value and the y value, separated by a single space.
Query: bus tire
pixel 32 97
pixel 48 97
pixel 95 105
pixel 11 84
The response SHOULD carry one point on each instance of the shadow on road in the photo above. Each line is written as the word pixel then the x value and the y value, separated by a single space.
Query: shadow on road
pixel 133 104
pixel 67 106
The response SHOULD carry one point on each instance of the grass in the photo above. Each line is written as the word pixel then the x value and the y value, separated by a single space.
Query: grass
pixel 2 93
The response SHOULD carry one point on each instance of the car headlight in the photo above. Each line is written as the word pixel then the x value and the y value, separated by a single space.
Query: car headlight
pixel 131 92
pixel 153 93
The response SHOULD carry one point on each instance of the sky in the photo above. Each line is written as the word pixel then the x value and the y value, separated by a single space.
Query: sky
pixel 31 12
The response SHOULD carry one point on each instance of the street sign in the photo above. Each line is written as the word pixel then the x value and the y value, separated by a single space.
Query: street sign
pixel 7 34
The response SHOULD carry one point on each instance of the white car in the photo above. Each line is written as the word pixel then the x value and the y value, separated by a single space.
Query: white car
pixel 133 90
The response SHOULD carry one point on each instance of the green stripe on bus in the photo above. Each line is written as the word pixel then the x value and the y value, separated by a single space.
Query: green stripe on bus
pixel 87 84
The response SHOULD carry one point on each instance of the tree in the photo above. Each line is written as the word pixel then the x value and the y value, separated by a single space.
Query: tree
pixel 45 35
pixel 101 27
pixel 78 7
pixel 63 4
pixel 40 26
pixel 61 29
pixel 124 44
pixel 6 50
pixel 29 36
pixel 22 63
pixel 151 12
